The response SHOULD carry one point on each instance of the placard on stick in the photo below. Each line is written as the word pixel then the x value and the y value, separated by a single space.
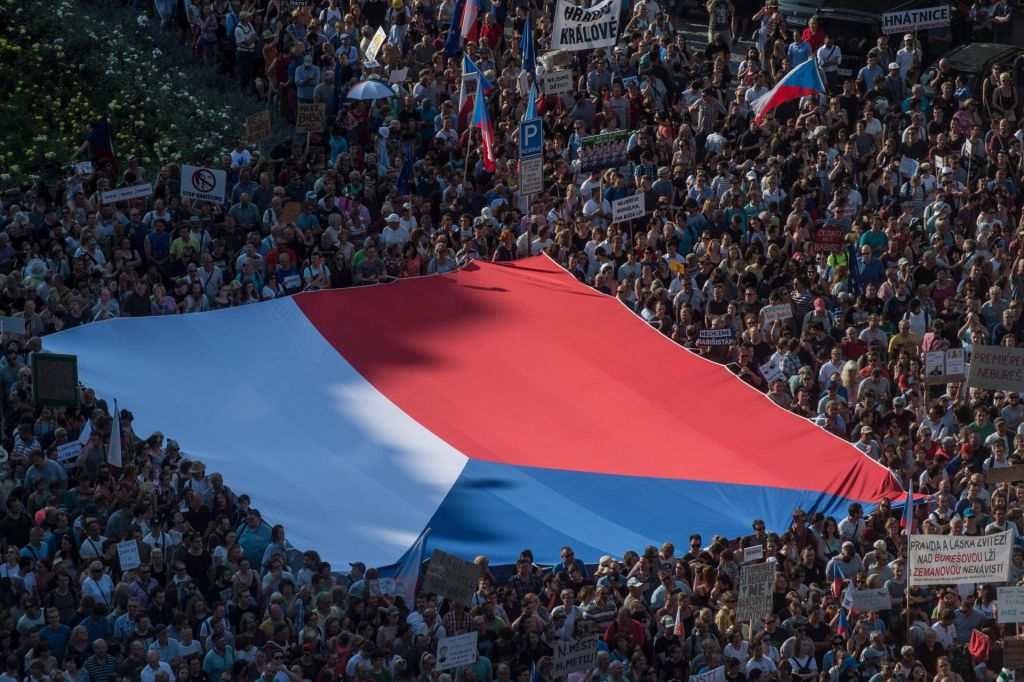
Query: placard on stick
pixel 451 576
pixel 257 127
pixel 310 118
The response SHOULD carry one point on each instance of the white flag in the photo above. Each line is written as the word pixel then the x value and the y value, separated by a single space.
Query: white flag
pixel 114 451
pixel 83 437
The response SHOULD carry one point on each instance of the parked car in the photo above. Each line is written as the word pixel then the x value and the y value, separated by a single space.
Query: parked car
pixel 974 61
pixel 855 25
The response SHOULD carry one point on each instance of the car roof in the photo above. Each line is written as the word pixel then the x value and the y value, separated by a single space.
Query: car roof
pixel 973 56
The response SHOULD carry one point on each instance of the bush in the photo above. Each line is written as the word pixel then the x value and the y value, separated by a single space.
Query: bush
pixel 66 63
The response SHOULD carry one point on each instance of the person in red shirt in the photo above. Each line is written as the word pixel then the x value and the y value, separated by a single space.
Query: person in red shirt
pixel 624 625
pixel 492 32
pixel 852 346
pixel 813 35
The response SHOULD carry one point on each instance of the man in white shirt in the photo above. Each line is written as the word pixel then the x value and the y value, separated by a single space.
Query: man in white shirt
pixel 153 666
pixel 393 232
pixel 908 55
pixel 945 629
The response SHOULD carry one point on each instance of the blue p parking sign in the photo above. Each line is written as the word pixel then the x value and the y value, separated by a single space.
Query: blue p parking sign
pixel 531 138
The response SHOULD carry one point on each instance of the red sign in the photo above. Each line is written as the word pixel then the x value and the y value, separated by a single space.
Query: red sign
pixel 829 239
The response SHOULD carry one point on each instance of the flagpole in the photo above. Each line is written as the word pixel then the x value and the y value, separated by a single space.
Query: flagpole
pixel 909 513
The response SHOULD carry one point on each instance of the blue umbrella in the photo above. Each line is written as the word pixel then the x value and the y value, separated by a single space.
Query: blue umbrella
pixel 370 90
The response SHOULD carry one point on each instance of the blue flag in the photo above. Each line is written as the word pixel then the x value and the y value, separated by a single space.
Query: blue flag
pixel 528 50
pixel 453 43
pixel 338 99
pixel 531 104
pixel 405 175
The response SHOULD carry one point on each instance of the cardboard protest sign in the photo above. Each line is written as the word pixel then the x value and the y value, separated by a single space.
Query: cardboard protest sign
pixel 310 118
pixel 1013 652
pixel 257 127
pixel 1010 474
pixel 451 576
pixel 997 368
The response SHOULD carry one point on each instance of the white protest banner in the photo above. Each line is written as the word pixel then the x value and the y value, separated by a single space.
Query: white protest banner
pixel 755 593
pixel 457 651
pixel 68 452
pixel 386 585
pixel 1010 604
pixel 204 184
pixel 912 20
pixel 375 44
pixel 715 337
pixel 908 167
pixel 83 167
pixel 557 82
pixel 628 208
pixel 999 368
pixel 128 555
pixel 716 675
pixel 398 75
pixel 531 175
pixel 451 576
pixel 574 654
pixel 777 313
pixel 754 552
pixel 579 28
pixel 139 191
pixel 872 600
pixel 771 372
pixel 946 559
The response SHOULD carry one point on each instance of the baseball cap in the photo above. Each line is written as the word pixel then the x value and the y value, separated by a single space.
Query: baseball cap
pixel 819 303
pixel 668 621
pixel 358 564
pixel 893 65
pixel 899 401
pixel 393 218
pixel 635 582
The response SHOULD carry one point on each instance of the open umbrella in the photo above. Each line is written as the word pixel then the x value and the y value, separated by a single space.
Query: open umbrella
pixel 370 90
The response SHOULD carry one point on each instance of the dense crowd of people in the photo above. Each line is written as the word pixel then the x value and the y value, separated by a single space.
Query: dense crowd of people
pixel 929 259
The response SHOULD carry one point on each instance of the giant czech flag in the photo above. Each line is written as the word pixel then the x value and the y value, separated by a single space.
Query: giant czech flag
pixel 502 406
pixel 801 81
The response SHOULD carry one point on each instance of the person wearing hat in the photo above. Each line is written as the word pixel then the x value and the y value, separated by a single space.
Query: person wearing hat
pixel 394 232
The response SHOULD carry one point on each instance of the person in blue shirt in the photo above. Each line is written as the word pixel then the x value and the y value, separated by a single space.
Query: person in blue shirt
pixel 56 634
pixel 869 269
pixel 799 51
pixel 568 561
pixel 254 536
pixel 866 76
